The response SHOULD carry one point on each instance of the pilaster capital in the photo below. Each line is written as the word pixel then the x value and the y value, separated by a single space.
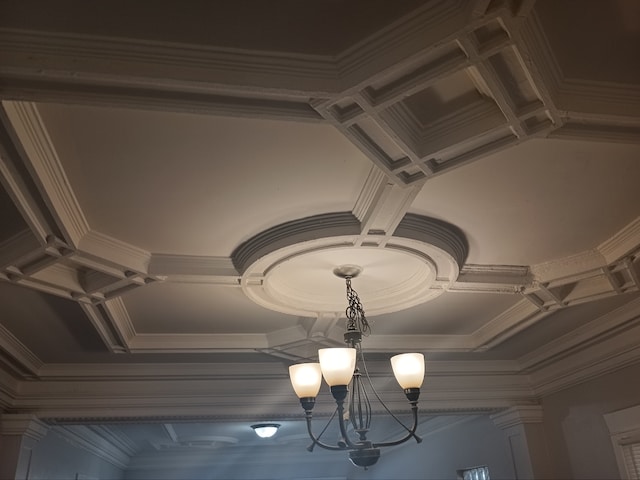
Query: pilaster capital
pixel 518 415
pixel 23 424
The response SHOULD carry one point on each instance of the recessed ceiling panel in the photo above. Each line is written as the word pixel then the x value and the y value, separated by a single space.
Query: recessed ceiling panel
pixel 538 201
pixel 51 327
pixel 200 308
pixel 449 314
pixel 199 185
pixel 602 43
pixel 561 322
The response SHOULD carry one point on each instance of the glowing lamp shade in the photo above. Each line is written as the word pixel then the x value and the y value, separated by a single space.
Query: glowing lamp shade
pixel 266 430
pixel 408 369
pixel 306 379
pixel 337 365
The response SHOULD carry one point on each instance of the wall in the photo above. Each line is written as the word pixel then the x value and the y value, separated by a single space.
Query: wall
pixel 472 442
pixel 576 432
pixel 55 458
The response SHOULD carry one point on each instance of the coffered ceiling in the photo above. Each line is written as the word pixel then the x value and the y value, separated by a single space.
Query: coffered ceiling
pixel 179 184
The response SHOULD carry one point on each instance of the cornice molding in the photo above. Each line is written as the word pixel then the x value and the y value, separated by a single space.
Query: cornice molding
pixel 193 268
pixel 518 415
pixel 154 64
pixel 582 337
pixel 20 186
pixel 102 322
pixel 569 266
pixel 111 251
pixel 96 440
pixel 406 38
pixel 23 424
pixel 19 352
pixel 507 279
pixel 202 343
pixel 505 325
pixel 19 248
pixel 624 242
pixel 45 165
pixel 370 195
pixel 607 356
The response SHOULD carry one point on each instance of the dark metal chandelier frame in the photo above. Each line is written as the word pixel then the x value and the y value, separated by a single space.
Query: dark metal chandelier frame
pixel 362 452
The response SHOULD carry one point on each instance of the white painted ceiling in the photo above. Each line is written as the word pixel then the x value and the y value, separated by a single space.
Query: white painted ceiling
pixel 179 184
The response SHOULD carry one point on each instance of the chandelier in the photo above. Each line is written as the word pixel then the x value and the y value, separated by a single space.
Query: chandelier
pixel 340 368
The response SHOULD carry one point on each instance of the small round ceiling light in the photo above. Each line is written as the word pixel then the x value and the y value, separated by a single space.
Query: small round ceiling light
pixel 265 430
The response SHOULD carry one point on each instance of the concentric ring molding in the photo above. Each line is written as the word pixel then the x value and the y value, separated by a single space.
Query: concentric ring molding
pixel 293 274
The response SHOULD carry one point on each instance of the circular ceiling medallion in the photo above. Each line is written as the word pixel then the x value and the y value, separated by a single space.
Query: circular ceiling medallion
pixel 304 283
pixel 295 270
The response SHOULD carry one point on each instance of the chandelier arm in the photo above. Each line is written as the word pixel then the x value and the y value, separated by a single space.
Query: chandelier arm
pixel 316 440
pixel 384 405
pixel 343 427
pixel 411 432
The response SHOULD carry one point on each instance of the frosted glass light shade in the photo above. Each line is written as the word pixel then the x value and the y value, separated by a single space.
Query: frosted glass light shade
pixel 266 430
pixel 306 379
pixel 408 369
pixel 337 365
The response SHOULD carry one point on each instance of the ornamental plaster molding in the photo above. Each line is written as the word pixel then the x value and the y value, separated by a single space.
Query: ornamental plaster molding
pixel 48 171
pixel 113 252
pixel 27 362
pixel 291 233
pixel 74 57
pixel 23 424
pixel 624 242
pixel 606 356
pixel 193 268
pixel 99 441
pixel 513 320
pixel 518 415
pixel 583 336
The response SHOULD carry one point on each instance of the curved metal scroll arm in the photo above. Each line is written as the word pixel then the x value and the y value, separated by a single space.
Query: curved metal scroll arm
pixel 411 432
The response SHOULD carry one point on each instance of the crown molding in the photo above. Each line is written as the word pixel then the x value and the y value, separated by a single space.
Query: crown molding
pixel 161 371
pixel 518 415
pixel 19 248
pixel 595 97
pixel 421 343
pixel 19 352
pixel 102 321
pixel 21 186
pixel 97 440
pixel 505 325
pixel 47 169
pixel 570 266
pixel 163 65
pixel 23 424
pixel 624 242
pixel 113 252
pixel 582 337
pixel 369 199
pixel 537 57
pixel 202 343
pixel 405 38
pixel 602 358
pixel 508 279
pixel 192 268
pixel 595 130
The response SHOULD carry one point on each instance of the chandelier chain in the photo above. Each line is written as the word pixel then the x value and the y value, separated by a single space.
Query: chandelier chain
pixel 356 318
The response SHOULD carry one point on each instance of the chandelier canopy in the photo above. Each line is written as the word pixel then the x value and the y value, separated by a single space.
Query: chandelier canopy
pixel 340 367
